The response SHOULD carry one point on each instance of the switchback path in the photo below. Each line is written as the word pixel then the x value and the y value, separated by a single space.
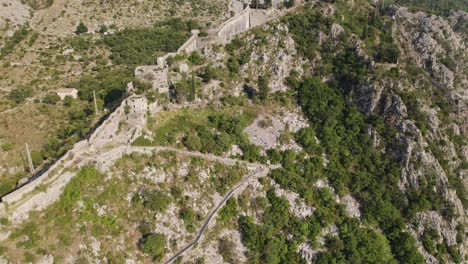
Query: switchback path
pixel 257 172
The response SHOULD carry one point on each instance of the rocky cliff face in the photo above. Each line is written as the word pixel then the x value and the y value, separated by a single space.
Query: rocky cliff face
pixel 424 110
pixel 437 46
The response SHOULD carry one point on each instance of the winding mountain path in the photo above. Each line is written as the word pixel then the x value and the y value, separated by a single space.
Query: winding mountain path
pixel 228 195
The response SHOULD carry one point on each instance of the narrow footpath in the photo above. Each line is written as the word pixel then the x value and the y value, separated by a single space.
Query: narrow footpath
pixel 256 173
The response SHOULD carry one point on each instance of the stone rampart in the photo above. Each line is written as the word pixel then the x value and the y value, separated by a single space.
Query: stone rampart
pixel 123 126
pixel 115 129
pixel 235 25
pixel 258 17
pixel 191 44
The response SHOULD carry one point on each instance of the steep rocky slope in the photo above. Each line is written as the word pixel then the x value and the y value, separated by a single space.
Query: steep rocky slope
pixel 40 53
pixel 360 108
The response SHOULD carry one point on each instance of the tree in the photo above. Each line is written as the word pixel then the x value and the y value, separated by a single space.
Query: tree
pixel 263 88
pixel 156 200
pixel 233 65
pixel 154 245
pixel 209 73
pixel 387 52
pixel 81 28
pixel 103 29
pixel 229 211
pixel 196 58
pixel 68 101
pixel 19 94
pixel 51 98
pixel 350 68
pixel 227 249
pixel 193 142
pixel 289 4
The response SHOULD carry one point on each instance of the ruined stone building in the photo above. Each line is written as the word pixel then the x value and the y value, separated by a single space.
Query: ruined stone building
pixel 154 75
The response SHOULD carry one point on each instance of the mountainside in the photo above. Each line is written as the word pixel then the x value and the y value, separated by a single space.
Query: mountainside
pixel 294 132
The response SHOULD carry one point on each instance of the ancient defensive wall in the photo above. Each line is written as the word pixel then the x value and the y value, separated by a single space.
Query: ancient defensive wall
pixel 237 24
pixel 123 126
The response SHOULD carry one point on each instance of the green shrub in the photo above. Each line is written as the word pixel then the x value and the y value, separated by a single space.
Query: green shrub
pixel 193 142
pixel 233 65
pixel 85 178
pixel 7 146
pixel 154 245
pixel 37 158
pixel 156 200
pixel 387 52
pixel 229 211
pixel 305 29
pixel 429 240
pixel 449 62
pixel 19 95
pixel 81 28
pixel 140 45
pixel 142 141
pixel 80 43
pixel 176 192
pixel 263 88
pixel 51 98
pixel 12 42
pixel 227 249
pixel 196 58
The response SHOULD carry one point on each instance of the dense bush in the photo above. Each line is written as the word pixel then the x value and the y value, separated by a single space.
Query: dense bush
pixel 134 46
pixel 18 95
pixel 12 42
pixel 434 6
pixel 209 73
pixel 51 98
pixel 109 85
pixel 224 178
pixel 156 200
pixel 305 29
pixel 196 58
pixel 86 177
pixel 185 90
pixel 154 245
pixel 229 211
pixel 81 28
pixel 349 68
pixel 263 88
pixel 357 245
pixel 190 217
pixel 227 249
pixel 267 243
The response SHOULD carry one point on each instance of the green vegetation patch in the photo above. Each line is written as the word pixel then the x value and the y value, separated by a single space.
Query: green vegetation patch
pixel 204 130
pixel 154 245
pixel 12 42
pixel 135 46
pixel 433 6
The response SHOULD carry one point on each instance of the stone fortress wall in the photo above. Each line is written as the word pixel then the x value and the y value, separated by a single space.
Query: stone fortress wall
pixel 237 24
pixel 120 128
pixel 234 26
pixel 123 126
